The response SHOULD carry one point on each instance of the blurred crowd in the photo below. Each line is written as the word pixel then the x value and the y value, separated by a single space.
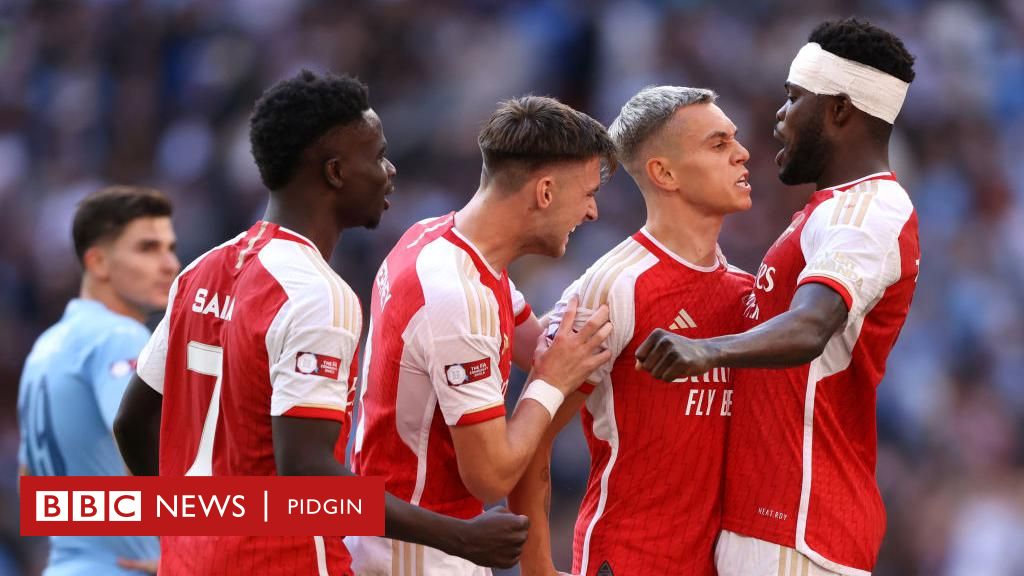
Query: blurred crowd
pixel 158 92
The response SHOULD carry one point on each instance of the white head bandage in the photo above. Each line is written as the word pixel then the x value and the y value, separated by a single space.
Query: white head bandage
pixel 870 89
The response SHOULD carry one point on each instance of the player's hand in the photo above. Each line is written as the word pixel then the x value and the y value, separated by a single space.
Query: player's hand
pixel 494 538
pixel 573 355
pixel 147 566
pixel 668 356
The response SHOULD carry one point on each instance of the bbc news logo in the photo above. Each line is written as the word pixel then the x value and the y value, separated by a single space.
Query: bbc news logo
pixel 201 506
pixel 89 506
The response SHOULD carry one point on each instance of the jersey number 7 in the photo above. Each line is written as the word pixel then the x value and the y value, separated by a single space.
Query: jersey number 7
pixel 206 359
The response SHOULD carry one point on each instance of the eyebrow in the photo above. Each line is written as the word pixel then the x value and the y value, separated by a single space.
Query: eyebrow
pixel 721 134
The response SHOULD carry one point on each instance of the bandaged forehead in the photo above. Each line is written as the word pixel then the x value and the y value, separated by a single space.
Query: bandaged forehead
pixel 870 90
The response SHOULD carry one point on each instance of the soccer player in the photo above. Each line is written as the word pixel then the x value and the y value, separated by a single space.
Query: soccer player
pixel 78 369
pixel 447 323
pixel 251 372
pixel 653 499
pixel 830 298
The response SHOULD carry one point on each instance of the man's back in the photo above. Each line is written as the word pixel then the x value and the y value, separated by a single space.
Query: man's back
pixel 70 390
pixel 256 328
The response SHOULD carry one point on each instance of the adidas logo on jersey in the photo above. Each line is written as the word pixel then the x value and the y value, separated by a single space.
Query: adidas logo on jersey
pixel 682 321
pixel 605 570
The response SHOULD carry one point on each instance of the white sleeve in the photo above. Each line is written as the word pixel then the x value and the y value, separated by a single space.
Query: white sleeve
pixel 460 339
pixel 311 344
pixel 152 362
pixel 621 316
pixel 858 257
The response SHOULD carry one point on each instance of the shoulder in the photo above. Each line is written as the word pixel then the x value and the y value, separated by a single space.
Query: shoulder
pixel 615 273
pixel 455 298
pixel 309 283
pixel 738 278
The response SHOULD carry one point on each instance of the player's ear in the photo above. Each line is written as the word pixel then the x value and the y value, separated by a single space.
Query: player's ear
pixel 96 262
pixel 660 174
pixel 840 109
pixel 544 188
pixel 333 173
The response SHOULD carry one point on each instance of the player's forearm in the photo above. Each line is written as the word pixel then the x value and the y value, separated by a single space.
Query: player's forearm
pixel 495 465
pixel 790 339
pixel 532 498
pixel 409 523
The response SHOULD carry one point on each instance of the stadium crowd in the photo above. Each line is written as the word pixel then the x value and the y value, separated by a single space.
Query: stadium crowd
pixel 157 92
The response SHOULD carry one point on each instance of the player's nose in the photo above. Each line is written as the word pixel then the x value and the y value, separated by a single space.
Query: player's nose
pixel 743 155
pixel 171 263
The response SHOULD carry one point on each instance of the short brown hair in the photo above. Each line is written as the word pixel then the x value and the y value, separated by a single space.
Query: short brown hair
pixel 104 214
pixel 528 132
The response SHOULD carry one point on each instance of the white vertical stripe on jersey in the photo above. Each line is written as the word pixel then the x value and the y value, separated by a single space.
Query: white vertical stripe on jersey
pixel 836 358
pixel 321 556
pixel 603 418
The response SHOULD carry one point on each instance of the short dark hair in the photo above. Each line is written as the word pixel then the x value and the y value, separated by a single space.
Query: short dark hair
pixel 528 132
pixel 860 41
pixel 294 113
pixel 104 214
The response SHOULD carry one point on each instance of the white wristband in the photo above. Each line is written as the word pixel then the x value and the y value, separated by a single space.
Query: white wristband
pixel 548 396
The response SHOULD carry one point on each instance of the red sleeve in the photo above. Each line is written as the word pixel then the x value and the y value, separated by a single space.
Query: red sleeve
pixel 317 413
pixel 843 292
pixel 587 387
pixel 524 314
pixel 481 415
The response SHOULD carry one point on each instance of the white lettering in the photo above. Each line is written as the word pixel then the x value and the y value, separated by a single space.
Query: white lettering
pixel 726 403
pixel 336 506
pixel 204 304
pixel 690 402
pixel 765 278
pixel 213 307
pixel 185 506
pixel 162 504
pixel 200 301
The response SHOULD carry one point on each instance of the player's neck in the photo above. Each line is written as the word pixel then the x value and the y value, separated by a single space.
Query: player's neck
pixel 102 292
pixel 848 163
pixel 487 225
pixel 316 225
pixel 690 234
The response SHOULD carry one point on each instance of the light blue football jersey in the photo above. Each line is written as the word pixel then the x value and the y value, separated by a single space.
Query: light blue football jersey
pixel 70 391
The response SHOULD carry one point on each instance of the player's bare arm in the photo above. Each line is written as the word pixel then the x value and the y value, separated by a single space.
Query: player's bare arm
pixel 137 428
pixel 532 495
pixel 790 339
pixel 492 455
pixel 305 447
pixel 523 342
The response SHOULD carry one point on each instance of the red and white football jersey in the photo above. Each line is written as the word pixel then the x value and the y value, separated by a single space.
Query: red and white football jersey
pixel 258 327
pixel 438 354
pixel 653 498
pixel 801 451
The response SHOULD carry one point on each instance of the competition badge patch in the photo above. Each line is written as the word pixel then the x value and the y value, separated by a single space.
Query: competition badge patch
pixel 319 364
pixel 122 368
pixel 459 374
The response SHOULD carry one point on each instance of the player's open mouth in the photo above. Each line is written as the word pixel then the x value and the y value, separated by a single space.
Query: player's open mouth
pixel 743 182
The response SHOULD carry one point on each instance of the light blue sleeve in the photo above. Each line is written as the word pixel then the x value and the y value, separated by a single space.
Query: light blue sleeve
pixel 111 366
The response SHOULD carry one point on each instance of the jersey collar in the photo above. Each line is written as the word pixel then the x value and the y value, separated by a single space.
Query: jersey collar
pixel 719 258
